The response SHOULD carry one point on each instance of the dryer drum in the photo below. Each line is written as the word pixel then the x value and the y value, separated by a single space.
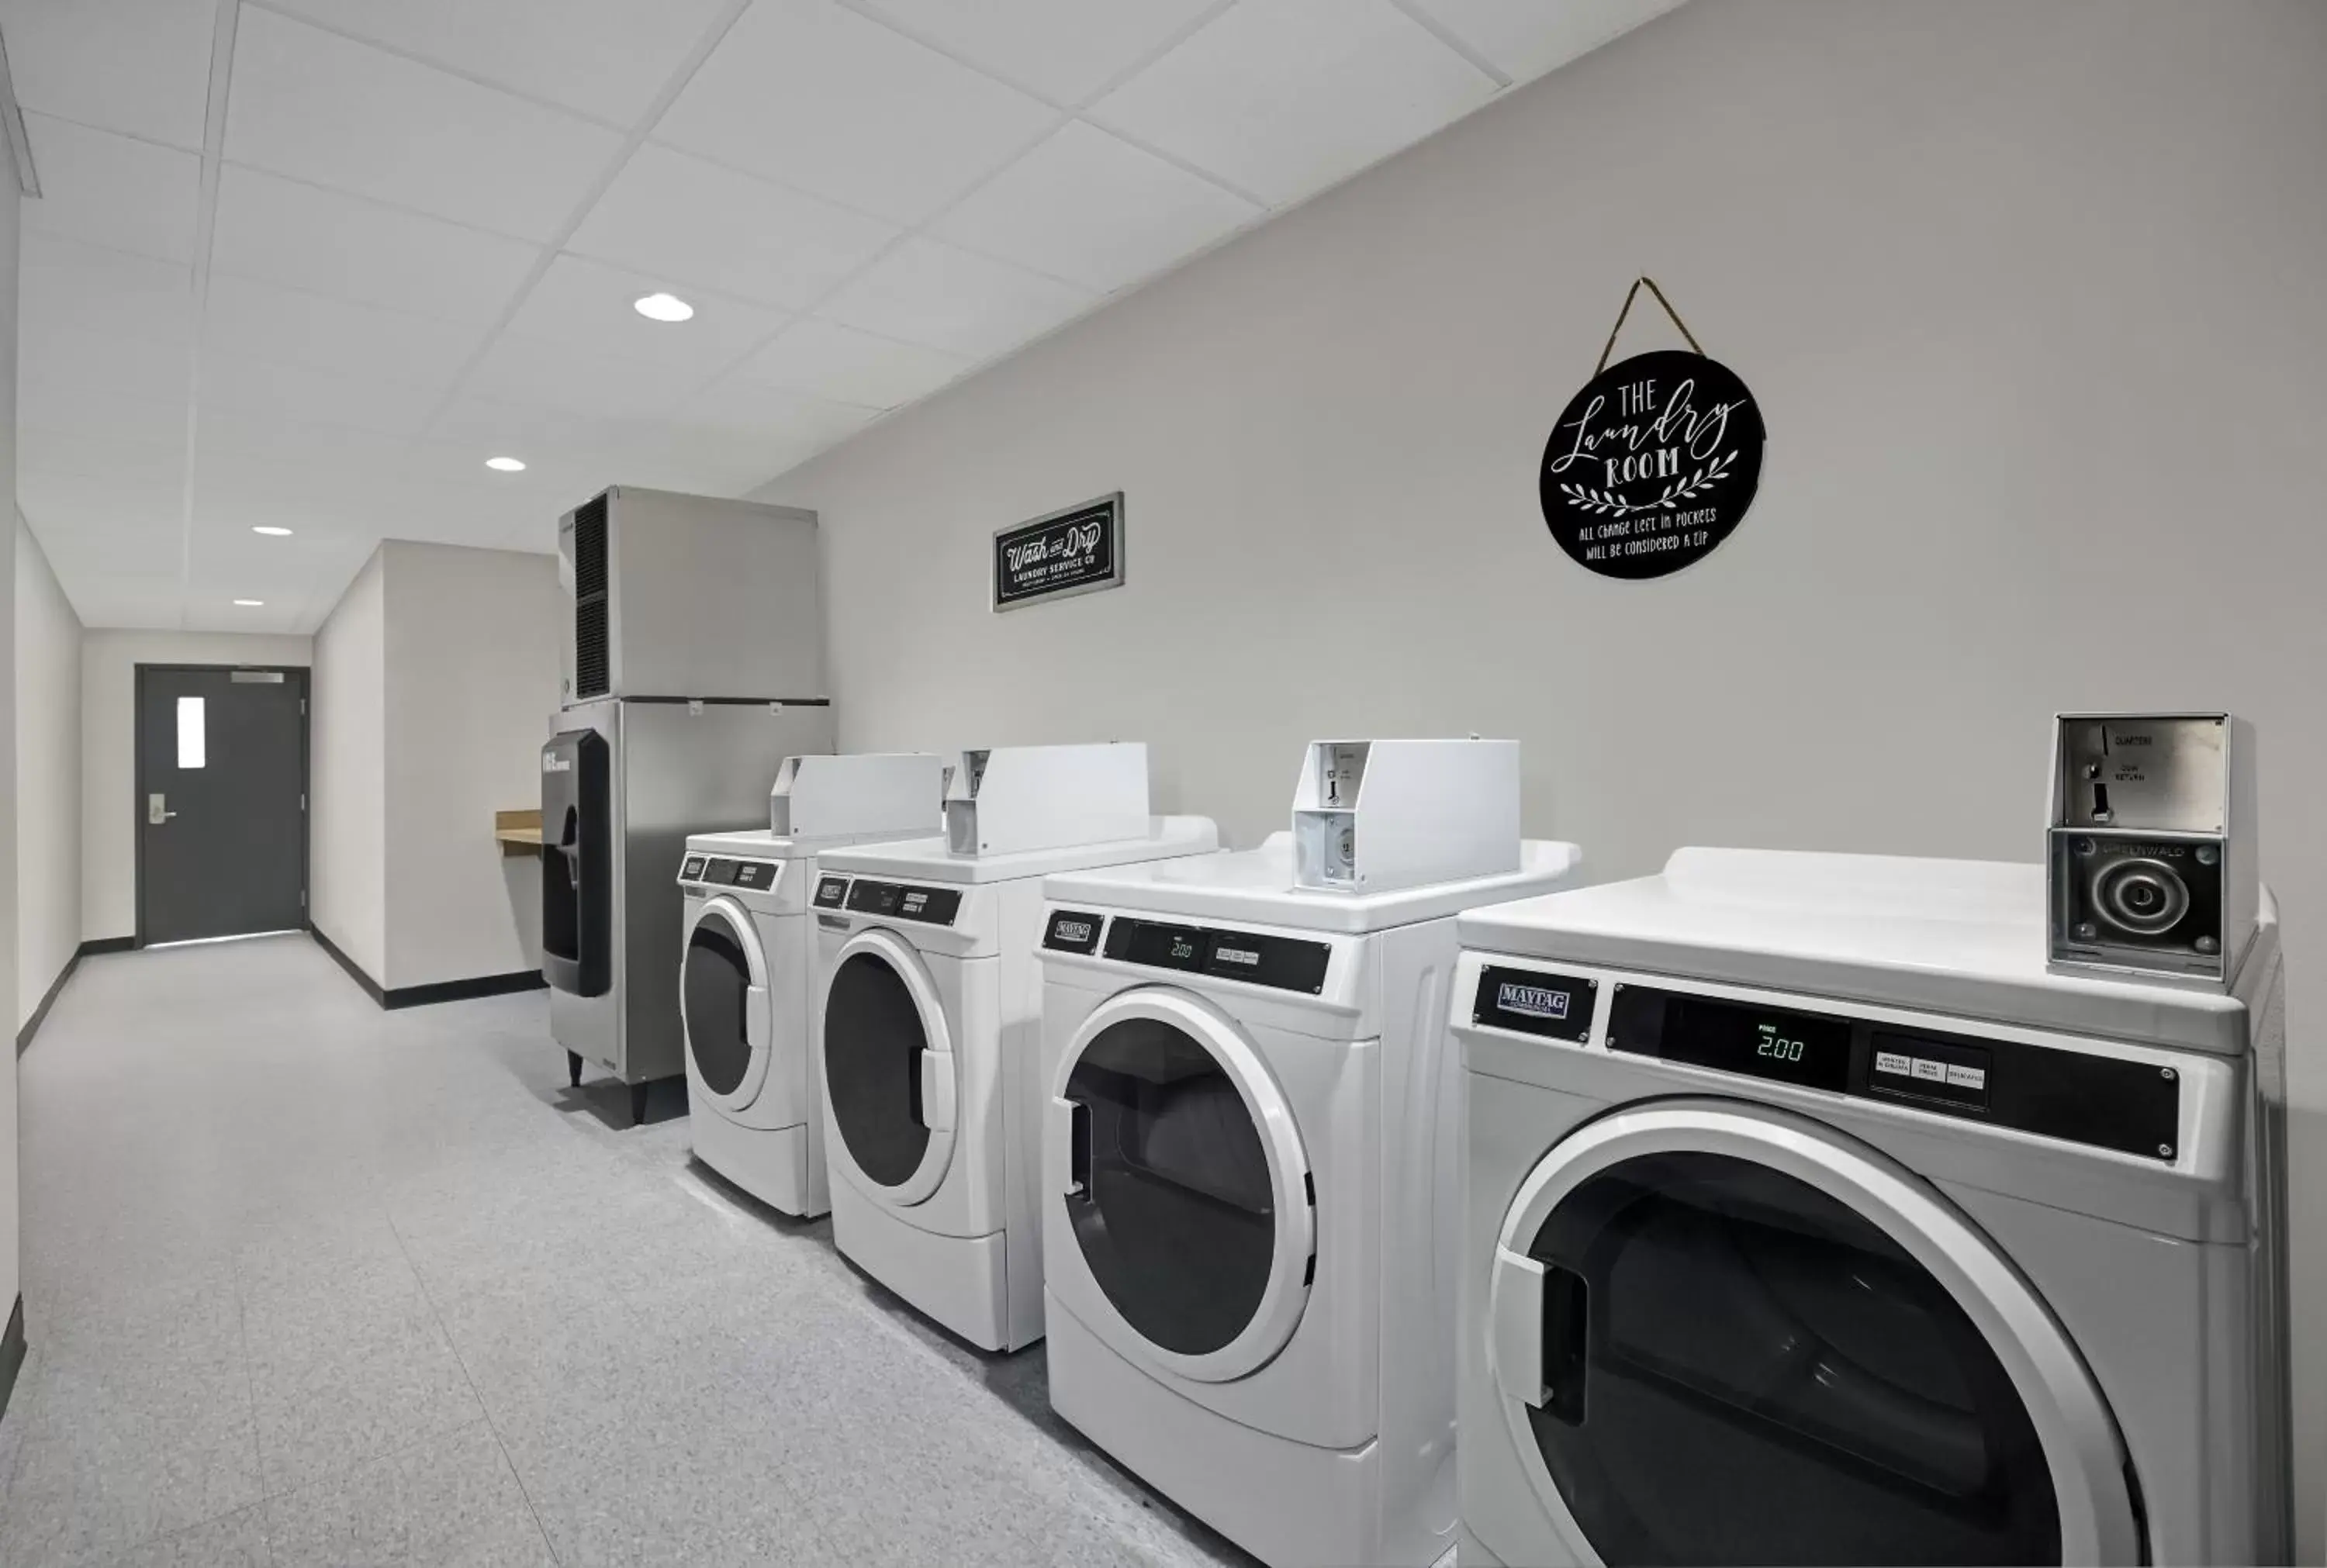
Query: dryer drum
pixel 1177 1219
pixel 1767 1377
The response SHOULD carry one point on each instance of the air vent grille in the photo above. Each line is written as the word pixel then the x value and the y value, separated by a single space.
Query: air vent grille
pixel 590 547
pixel 591 673
pixel 590 649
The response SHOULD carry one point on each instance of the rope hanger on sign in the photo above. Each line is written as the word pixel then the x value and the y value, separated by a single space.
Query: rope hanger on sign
pixel 1630 295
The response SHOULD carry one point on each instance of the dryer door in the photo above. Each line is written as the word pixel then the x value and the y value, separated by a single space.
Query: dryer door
pixel 722 1002
pixel 1724 1334
pixel 1186 1183
pixel 889 1069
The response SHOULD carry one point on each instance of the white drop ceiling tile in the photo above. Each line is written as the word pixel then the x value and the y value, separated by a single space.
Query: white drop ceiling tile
pixel 495 426
pixel 266 321
pixel 298 393
pixel 1065 50
pixel 87 288
pixel 235 443
pixel 102 415
pixel 109 503
pixel 1525 38
pixel 60 453
pixel 846 366
pixel 773 416
pixel 50 355
pixel 327 242
pixel 113 191
pixel 1282 97
pixel 589 304
pixel 140 67
pixel 834 104
pixel 695 222
pixel 103 605
pixel 945 298
pixel 317 106
pixel 606 58
pixel 574 378
pixel 1089 207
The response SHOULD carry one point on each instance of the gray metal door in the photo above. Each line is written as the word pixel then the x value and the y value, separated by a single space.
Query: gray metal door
pixel 221 798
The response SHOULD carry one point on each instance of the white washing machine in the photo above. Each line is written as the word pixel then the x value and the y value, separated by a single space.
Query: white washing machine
pixel 747 976
pixel 928 1013
pixel 1251 1190
pixel 1811 1220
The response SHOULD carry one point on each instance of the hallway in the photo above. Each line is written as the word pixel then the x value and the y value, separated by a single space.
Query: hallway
pixel 309 1283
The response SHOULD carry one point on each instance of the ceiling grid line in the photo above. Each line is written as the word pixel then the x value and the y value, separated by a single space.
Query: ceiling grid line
pixel 1454 41
pixel 729 16
pixel 222 33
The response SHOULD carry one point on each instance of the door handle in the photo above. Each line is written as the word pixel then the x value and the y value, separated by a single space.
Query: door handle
pixel 1065 1159
pixel 155 812
pixel 1541 1316
pixel 937 1090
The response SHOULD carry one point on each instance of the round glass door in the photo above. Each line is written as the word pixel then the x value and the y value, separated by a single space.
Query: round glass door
pixel 1728 1361
pixel 720 984
pixel 888 1075
pixel 1190 1199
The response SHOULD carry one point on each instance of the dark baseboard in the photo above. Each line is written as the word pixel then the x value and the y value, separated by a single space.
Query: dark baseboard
pixel 467 990
pixel 355 970
pixel 56 987
pixel 12 1353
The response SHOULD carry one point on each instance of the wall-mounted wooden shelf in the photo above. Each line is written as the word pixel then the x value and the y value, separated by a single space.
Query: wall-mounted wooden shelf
pixel 518 832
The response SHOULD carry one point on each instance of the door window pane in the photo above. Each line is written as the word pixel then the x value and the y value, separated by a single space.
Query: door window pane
pixel 192 750
pixel 873 1048
pixel 715 985
pixel 1756 1373
pixel 1178 1217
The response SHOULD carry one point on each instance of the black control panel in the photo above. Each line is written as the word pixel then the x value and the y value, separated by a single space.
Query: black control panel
pixel 1282 963
pixel 831 892
pixel 1072 932
pixel 2133 1107
pixel 719 871
pixel 902 901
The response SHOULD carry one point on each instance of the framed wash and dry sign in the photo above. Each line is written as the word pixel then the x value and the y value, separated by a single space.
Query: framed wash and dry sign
pixel 1079 550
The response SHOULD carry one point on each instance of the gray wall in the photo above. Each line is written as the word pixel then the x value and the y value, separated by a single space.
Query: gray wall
pixel 2028 295
pixel 11 220
pixel 471 666
pixel 48 776
pixel 347 774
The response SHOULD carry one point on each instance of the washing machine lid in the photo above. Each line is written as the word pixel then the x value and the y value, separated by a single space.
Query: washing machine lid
pixel 1186 1183
pixel 929 860
pixel 1256 885
pixel 1722 1334
pixel 889 1078
pixel 723 1001
pixel 1943 935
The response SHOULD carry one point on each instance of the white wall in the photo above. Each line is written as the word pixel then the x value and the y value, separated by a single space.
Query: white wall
pixel 10 1231
pixel 108 818
pixel 48 776
pixel 2028 295
pixel 472 676
pixel 347 890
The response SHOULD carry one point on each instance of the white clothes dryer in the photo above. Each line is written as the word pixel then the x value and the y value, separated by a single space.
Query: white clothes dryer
pixel 927 1012
pixel 1811 1220
pixel 1250 1191
pixel 747 965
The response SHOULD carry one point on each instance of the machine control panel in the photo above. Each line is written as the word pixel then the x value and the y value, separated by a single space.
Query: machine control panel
pixel 1072 932
pixel 1282 963
pixel 2082 1098
pixel 831 892
pixel 719 871
pixel 902 901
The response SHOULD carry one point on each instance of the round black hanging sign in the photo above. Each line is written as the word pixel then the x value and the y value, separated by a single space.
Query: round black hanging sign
pixel 1652 464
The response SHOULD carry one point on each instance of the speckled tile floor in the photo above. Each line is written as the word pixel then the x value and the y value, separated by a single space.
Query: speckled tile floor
pixel 308 1282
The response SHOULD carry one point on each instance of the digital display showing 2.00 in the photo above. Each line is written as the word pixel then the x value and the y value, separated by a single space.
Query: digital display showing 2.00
pixel 1796 1048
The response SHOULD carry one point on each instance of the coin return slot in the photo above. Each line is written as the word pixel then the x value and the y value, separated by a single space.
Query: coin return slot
pixel 2101 803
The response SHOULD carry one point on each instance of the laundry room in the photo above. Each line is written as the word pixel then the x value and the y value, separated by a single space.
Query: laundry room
pixel 1286 781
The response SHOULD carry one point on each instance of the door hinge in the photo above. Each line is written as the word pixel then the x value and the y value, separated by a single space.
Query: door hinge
pixel 302 707
pixel 302 803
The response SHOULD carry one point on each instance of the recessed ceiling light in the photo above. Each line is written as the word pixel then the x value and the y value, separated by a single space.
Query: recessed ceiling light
pixel 251 604
pixel 272 533
pixel 505 464
pixel 663 307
